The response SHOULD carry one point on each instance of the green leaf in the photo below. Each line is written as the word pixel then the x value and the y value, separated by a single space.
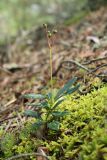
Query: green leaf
pixel 66 87
pixel 49 95
pixel 37 124
pixel 33 96
pixel 59 114
pixel 34 104
pixel 32 113
pixel 69 91
pixel 58 103
pixel 45 105
pixel 39 105
pixel 54 125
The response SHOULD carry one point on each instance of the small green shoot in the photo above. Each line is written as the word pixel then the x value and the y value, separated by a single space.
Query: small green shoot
pixel 46 112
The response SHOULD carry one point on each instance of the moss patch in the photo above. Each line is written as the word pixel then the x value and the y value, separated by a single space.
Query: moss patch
pixel 83 133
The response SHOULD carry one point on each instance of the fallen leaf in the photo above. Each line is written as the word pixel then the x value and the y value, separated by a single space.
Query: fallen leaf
pixel 93 39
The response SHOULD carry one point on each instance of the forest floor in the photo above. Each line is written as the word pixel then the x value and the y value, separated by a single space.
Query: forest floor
pixel 79 50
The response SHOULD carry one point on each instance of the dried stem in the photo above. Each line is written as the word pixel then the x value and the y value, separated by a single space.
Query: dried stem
pixel 26 155
pixel 83 67
pixel 95 60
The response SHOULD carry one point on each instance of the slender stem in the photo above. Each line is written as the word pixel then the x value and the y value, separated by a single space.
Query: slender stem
pixel 50 59
pixel 51 78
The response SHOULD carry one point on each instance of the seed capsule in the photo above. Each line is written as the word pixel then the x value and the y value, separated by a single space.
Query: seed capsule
pixel 45 25
pixel 49 34
pixel 54 31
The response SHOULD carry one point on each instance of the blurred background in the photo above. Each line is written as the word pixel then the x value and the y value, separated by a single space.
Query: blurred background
pixel 19 16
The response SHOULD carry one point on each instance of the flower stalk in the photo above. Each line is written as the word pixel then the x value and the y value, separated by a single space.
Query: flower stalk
pixel 49 40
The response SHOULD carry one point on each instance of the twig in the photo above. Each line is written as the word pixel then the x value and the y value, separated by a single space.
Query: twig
pixel 20 118
pixel 26 155
pixel 83 67
pixel 94 60
pixel 75 63
pixel 5 70
pixel 7 127
pixel 7 119
pixel 5 131
pixel 7 108
pixel 42 150
pixel 101 75
pixel 103 65
pixel 10 102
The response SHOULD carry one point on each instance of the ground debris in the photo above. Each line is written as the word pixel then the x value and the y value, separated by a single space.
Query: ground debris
pixel 28 70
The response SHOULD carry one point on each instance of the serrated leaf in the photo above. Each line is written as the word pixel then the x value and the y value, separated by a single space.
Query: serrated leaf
pixel 59 114
pixel 54 125
pixel 32 113
pixel 33 96
pixel 70 91
pixel 66 87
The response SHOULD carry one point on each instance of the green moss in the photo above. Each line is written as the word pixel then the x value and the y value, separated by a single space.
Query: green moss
pixel 84 128
pixel 83 134
pixel 7 144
